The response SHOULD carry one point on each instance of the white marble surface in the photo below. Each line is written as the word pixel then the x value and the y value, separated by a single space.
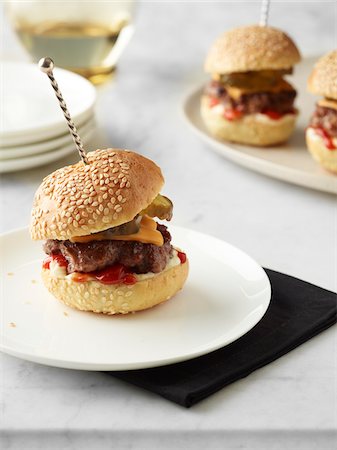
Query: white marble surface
pixel 289 404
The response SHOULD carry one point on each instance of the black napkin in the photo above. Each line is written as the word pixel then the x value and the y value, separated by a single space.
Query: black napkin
pixel 297 312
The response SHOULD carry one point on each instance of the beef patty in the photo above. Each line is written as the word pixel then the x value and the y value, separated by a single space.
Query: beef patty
pixel 95 255
pixel 281 102
pixel 325 118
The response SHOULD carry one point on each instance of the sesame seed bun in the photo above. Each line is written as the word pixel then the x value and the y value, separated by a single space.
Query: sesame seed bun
pixel 325 157
pixel 323 78
pixel 81 199
pixel 117 299
pixel 251 129
pixel 251 48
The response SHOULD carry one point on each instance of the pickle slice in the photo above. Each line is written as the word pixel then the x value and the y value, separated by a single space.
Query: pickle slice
pixel 161 207
pixel 254 79
pixel 131 227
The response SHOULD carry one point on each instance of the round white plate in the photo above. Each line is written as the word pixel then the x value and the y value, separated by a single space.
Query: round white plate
pixel 42 147
pixel 290 162
pixel 32 112
pixel 16 164
pixel 226 294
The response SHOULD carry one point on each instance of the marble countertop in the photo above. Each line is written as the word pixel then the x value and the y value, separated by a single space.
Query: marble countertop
pixel 291 403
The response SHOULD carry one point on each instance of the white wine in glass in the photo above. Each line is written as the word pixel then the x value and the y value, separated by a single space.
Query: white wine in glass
pixel 85 37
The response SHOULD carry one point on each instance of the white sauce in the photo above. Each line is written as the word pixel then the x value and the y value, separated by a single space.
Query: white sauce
pixel 57 271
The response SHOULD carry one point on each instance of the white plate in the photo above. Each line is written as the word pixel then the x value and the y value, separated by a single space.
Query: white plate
pixel 16 164
pixel 226 294
pixel 32 110
pixel 44 146
pixel 290 162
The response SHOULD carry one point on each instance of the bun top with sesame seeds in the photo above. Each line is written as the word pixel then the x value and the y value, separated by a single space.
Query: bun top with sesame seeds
pixel 81 199
pixel 251 48
pixel 323 78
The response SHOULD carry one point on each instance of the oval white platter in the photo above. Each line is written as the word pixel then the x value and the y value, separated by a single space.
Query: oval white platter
pixel 226 294
pixel 32 110
pixel 289 162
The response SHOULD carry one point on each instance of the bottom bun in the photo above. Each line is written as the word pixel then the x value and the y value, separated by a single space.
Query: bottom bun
pixel 117 299
pixel 327 158
pixel 251 129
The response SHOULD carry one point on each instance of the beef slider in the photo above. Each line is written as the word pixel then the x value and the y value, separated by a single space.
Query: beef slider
pixel 96 255
pixel 325 118
pixel 281 102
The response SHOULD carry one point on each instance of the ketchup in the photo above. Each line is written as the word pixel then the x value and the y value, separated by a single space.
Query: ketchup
pixel 274 115
pixel 115 274
pixel 327 139
pixel 182 257
pixel 232 114
pixel 60 259
pixel 80 277
pixel 213 101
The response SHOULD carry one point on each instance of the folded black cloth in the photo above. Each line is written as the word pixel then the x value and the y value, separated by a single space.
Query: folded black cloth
pixel 297 312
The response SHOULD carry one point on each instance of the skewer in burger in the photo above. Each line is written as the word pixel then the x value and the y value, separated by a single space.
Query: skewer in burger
pixel 321 134
pixel 105 252
pixel 248 100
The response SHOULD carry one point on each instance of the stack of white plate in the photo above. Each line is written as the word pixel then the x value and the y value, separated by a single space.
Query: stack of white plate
pixel 33 130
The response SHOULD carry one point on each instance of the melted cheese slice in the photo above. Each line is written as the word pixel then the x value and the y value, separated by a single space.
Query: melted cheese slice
pixel 327 103
pixel 235 92
pixel 147 234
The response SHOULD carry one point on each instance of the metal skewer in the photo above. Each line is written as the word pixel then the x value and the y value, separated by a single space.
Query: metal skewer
pixel 264 13
pixel 47 65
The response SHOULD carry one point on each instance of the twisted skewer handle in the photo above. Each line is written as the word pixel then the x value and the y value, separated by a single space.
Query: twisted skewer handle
pixel 264 13
pixel 46 65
